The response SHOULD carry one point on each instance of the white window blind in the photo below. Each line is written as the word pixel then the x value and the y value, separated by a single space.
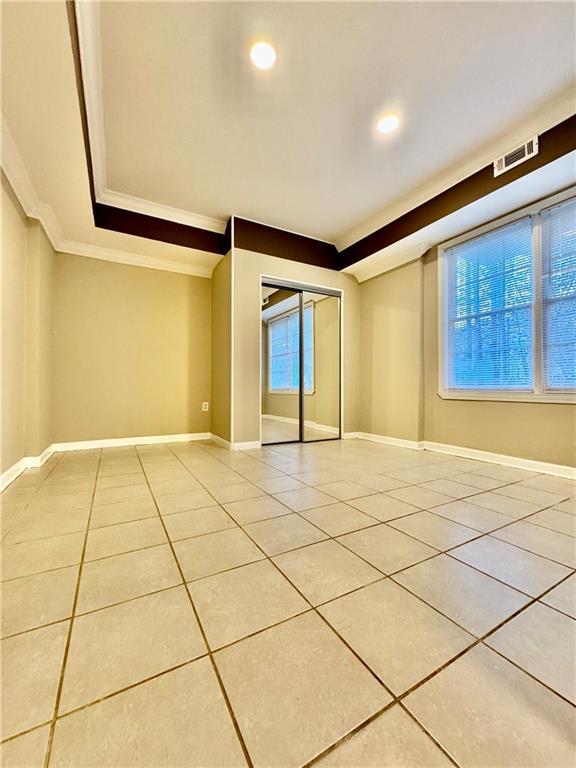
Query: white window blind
pixel 489 310
pixel 559 296
pixel 284 352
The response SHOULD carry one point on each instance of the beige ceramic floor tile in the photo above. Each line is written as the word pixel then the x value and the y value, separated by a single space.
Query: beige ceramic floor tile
pixel 562 485
pixel 196 522
pixel 556 520
pixel 473 600
pixel 317 477
pixel 119 481
pixel 174 721
pixel 122 493
pixel 383 507
pixel 337 519
pixel 392 740
pixel 506 474
pixel 467 513
pixel 505 505
pixel 532 495
pixel 520 569
pixel 60 503
pixel 236 492
pixel 170 487
pixel 326 570
pixel 215 552
pixel 304 498
pixel 31 665
pixel 387 549
pixel 237 603
pixel 400 638
pixel 380 483
pixel 183 501
pixel 508 718
pixel 278 484
pixel 345 489
pixel 30 527
pixel 450 488
pixel 301 681
pixel 123 577
pixel 542 641
pixel 26 751
pixel 568 506
pixel 122 512
pixel 434 530
pixel 259 508
pixel 122 645
pixel 281 534
pixel 542 541
pixel 481 482
pixel 127 537
pixel 563 597
pixel 420 497
pixel 36 600
pixel 42 555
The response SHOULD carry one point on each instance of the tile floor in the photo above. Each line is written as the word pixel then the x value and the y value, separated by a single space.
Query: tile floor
pixel 341 604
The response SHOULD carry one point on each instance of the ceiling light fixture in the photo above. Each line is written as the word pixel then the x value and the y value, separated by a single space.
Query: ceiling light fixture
pixel 263 55
pixel 388 123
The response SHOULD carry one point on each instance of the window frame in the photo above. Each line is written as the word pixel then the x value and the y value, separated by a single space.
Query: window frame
pixel 538 394
pixel 295 390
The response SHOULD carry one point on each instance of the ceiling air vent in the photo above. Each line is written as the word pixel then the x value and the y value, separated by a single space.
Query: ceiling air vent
pixel 517 156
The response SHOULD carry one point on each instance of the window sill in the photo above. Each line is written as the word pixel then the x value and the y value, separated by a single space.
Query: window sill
pixel 510 397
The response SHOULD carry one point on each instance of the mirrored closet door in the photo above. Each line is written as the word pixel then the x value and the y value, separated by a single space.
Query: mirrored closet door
pixel 300 395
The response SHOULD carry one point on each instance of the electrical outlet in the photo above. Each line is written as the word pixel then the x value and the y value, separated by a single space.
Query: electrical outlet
pixel 204 406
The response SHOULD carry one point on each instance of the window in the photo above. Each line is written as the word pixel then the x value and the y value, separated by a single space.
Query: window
pixel 284 352
pixel 508 309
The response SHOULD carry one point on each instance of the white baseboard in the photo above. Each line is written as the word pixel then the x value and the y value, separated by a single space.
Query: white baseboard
pixel 351 436
pixel 119 442
pixel 27 462
pixel 33 462
pixel 543 467
pixel 397 442
pixel 220 441
pixel 249 446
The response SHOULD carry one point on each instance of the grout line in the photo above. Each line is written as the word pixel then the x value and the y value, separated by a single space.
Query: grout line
pixel 70 627
pixel 313 608
pixel 203 632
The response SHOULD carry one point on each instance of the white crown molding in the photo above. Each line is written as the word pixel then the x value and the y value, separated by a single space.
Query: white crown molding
pixel 131 259
pixel 159 211
pixel 19 178
pixel 88 20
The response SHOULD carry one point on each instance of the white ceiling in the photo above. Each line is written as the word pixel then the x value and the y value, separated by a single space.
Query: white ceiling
pixel 190 124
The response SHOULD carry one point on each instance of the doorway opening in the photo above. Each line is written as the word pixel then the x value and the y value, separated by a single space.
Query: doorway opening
pixel 301 397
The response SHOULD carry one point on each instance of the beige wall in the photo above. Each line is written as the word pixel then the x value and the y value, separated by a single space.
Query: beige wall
pixel 131 351
pixel 248 269
pixel 323 405
pixel 540 431
pixel 221 287
pixel 25 352
pixel 391 353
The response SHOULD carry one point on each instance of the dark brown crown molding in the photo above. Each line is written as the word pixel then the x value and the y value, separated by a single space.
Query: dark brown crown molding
pixel 554 143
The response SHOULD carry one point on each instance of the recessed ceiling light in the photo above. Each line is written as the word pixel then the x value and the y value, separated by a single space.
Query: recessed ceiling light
pixel 263 55
pixel 388 123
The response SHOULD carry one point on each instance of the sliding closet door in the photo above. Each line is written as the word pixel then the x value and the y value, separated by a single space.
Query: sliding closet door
pixel 280 365
pixel 321 366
